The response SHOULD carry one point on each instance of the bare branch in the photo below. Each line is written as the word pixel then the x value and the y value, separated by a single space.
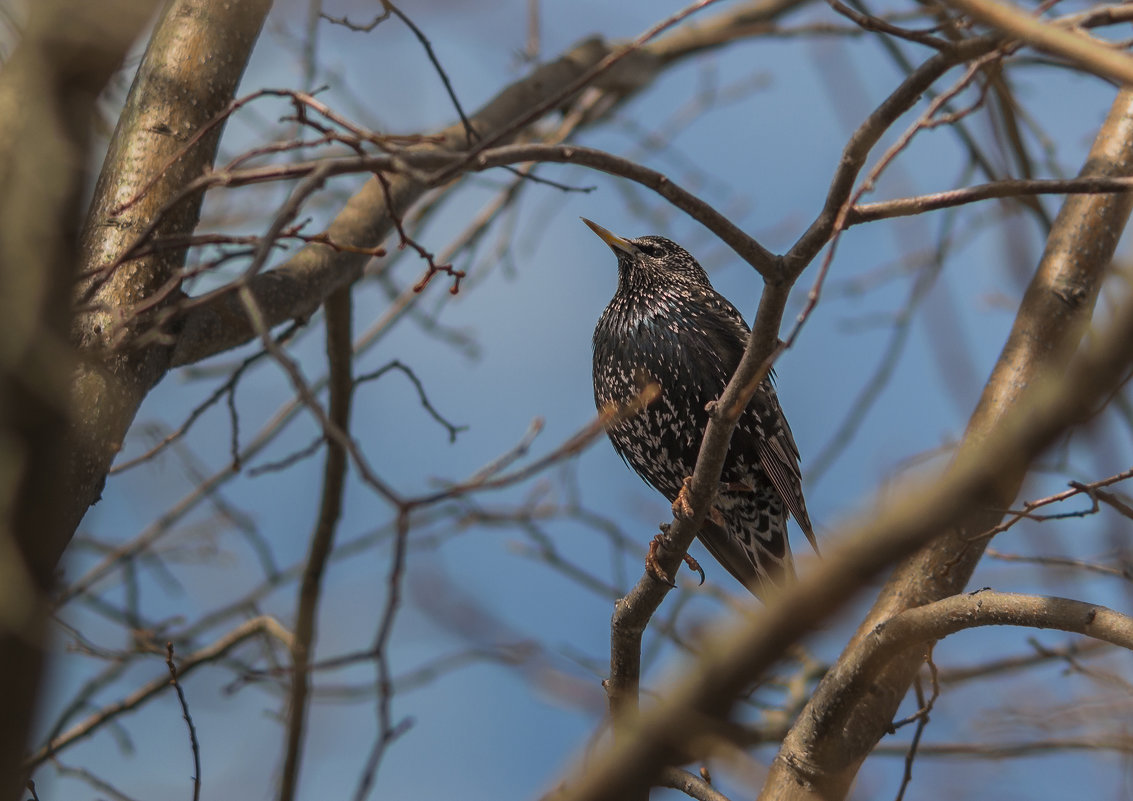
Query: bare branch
pixel 173 679
pixel 691 785
pixel 1085 51
pixel 887 209
pixel 295 288
pixel 836 733
pixel 264 625
pixel 340 359
pixel 934 621
pixel 738 656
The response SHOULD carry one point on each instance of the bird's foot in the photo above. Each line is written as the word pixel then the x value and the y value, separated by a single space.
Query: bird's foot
pixel 653 566
pixel 681 506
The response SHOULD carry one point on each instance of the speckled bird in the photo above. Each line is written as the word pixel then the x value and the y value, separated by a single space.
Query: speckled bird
pixel 666 324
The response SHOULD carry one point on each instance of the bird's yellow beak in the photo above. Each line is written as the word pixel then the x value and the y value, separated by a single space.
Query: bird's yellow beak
pixel 615 242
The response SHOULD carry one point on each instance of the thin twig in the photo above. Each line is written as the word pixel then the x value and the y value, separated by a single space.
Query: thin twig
pixel 188 719
pixel 263 625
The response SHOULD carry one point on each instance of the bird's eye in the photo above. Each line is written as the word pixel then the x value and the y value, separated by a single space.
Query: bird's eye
pixel 649 249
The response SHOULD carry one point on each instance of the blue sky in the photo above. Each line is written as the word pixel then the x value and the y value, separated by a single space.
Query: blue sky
pixel 766 155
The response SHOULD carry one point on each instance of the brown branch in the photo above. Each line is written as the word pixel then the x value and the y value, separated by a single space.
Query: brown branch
pixel 296 287
pixel 263 625
pixel 1077 488
pixel 389 7
pixel 489 477
pixel 876 24
pixel 690 784
pixel 1085 51
pixel 1040 655
pixel 745 246
pixel 887 209
pixel 227 388
pixel 862 141
pixel 1016 750
pixel 821 754
pixel 388 731
pixel 735 658
pixel 85 775
pixel 426 404
pixel 635 72
pixel 168 103
pixel 1060 561
pixel 340 359
pixel 925 624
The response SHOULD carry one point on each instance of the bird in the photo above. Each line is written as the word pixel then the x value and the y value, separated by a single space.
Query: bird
pixel 666 325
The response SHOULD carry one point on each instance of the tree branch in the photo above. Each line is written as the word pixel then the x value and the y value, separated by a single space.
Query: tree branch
pixel 835 733
pixel 888 209
pixel 340 358
pixel 740 655
pixel 298 286
pixel 934 621
pixel 264 625
pixel 1085 51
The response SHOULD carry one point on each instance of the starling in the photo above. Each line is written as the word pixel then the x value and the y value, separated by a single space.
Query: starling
pixel 667 325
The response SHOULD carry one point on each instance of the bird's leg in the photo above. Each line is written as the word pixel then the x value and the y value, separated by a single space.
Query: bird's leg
pixel 683 509
pixel 681 506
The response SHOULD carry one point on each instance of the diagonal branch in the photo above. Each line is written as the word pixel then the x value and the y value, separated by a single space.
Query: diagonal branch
pixel 1087 52
pixel 835 733
pixel 738 656
pixel 295 288
pixel 264 625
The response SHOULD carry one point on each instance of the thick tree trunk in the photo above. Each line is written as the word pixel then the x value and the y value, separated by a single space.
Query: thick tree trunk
pixel 47 92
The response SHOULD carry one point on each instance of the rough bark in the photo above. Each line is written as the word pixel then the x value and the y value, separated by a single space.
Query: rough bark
pixel 188 75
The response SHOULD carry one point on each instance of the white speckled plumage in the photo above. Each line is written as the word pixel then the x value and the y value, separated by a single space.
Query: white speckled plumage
pixel 666 324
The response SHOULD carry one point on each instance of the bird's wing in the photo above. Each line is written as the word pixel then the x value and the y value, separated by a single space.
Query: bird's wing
pixel 779 458
pixel 730 552
pixel 776 448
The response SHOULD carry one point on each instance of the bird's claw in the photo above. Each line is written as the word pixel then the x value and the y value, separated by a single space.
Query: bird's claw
pixel 653 567
pixel 695 567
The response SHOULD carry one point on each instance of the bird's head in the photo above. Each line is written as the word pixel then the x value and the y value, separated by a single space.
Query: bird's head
pixel 651 260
